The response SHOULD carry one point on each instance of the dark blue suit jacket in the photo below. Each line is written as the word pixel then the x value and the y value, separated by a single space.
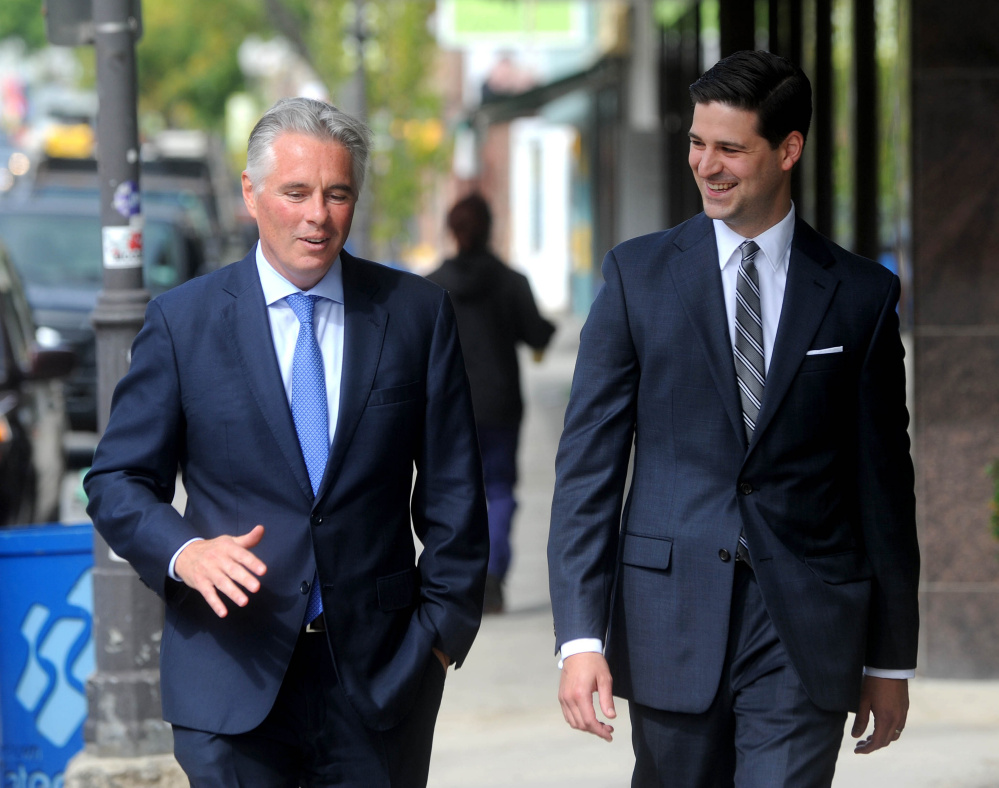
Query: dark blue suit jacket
pixel 204 394
pixel 824 491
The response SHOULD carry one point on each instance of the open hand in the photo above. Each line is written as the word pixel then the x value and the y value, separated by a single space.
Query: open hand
pixel 223 564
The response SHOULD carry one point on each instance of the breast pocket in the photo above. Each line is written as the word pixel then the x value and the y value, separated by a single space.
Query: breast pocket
pixel 393 394
pixel 825 361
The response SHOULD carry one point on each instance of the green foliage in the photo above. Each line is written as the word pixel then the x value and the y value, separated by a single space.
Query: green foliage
pixel 992 471
pixel 187 58
pixel 188 67
pixel 23 18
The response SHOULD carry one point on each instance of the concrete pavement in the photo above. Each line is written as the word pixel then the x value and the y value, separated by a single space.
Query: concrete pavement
pixel 500 724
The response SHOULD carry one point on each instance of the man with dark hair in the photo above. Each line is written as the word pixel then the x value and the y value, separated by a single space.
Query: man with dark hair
pixel 496 312
pixel 761 580
pixel 318 409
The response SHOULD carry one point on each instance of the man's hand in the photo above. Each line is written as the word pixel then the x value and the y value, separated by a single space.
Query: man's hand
pixel 888 700
pixel 582 675
pixel 222 564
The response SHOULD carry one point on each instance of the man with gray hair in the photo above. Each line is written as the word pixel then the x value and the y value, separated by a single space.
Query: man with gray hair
pixel 317 408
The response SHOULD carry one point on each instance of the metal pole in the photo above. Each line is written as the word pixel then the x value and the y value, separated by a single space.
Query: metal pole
pixel 354 100
pixel 125 719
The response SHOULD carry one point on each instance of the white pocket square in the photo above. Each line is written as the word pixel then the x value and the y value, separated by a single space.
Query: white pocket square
pixel 825 351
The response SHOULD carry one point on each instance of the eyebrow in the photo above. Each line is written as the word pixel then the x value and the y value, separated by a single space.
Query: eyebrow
pixel 719 143
pixel 346 187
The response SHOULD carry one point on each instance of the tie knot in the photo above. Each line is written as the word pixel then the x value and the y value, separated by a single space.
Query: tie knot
pixel 749 250
pixel 302 305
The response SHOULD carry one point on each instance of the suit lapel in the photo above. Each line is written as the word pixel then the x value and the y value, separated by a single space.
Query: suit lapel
pixel 363 332
pixel 697 278
pixel 807 295
pixel 249 334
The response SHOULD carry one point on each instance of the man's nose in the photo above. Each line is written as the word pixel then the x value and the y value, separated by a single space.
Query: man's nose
pixel 318 210
pixel 709 163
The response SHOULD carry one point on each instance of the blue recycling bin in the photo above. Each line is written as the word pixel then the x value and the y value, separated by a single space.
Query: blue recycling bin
pixel 46 650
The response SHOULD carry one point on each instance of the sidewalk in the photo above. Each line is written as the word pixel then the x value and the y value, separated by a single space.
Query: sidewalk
pixel 500 725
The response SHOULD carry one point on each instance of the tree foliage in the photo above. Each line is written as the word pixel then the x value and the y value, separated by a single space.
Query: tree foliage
pixel 187 58
pixel 23 18
pixel 187 61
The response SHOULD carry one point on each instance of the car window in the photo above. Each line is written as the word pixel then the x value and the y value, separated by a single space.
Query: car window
pixel 65 251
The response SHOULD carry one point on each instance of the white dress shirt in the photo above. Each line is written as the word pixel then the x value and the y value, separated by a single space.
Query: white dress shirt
pixel 771 263
pixel 327 320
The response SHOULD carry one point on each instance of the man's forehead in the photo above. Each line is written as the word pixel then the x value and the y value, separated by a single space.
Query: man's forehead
pixel 717 116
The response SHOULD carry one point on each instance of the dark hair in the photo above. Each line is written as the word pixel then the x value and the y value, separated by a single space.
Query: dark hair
pixel 470 221
pixel 771 86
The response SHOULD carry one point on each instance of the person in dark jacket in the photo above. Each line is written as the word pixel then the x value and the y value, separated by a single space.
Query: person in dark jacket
pixel 496 311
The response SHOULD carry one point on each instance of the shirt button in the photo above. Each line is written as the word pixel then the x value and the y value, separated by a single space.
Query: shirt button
pixel 724 555
pixel 745 488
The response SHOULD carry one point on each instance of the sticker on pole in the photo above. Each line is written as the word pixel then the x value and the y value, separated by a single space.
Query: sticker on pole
pixel 122 246
pixel 126 199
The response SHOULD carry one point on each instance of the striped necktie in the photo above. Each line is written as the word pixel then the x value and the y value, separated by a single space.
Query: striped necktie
pixel 750 368
pixel 749 365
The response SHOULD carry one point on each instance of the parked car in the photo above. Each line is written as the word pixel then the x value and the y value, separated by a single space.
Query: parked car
pixel 32 410
pixel 55 245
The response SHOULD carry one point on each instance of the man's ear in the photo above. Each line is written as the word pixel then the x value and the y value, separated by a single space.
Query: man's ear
pixel 791 149
pixel 248 196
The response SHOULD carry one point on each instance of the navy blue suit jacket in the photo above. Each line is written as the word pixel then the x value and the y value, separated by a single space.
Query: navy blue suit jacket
pixel 824 491
pixel 204 394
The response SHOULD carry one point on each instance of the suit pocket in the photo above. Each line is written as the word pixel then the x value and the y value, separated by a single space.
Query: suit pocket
pixel 823 361
pixel 398 591
pixel 837 568
pixel 648 552
pixel 393 394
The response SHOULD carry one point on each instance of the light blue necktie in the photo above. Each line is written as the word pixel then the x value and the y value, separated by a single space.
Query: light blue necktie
pixel 310 410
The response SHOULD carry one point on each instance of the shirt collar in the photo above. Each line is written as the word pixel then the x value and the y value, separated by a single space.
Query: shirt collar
pixel 277 287
pixel 774 242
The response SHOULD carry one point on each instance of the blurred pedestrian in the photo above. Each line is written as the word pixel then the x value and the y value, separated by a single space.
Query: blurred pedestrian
pixel 496 311
pixel 297 391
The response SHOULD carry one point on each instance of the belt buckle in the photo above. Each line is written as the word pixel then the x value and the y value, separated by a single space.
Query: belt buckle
pixel 318 624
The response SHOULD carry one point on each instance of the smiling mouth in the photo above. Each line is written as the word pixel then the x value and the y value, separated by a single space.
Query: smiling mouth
pixel 720 187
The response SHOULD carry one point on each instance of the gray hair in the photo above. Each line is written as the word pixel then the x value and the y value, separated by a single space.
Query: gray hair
pixel 315 119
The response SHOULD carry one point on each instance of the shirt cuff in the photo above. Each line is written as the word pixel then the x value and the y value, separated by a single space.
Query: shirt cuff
pixel 880 673
pixel 579 646
pixel 170 572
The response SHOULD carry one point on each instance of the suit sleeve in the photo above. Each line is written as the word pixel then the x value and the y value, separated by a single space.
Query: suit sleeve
pixel 131 484
pixel 592 465
pixel 886 498
pixel 448 504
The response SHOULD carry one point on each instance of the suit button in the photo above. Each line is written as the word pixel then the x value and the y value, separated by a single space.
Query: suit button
pixel 745 488
pixel 724 555
pixel 304 588
pixel 316 520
